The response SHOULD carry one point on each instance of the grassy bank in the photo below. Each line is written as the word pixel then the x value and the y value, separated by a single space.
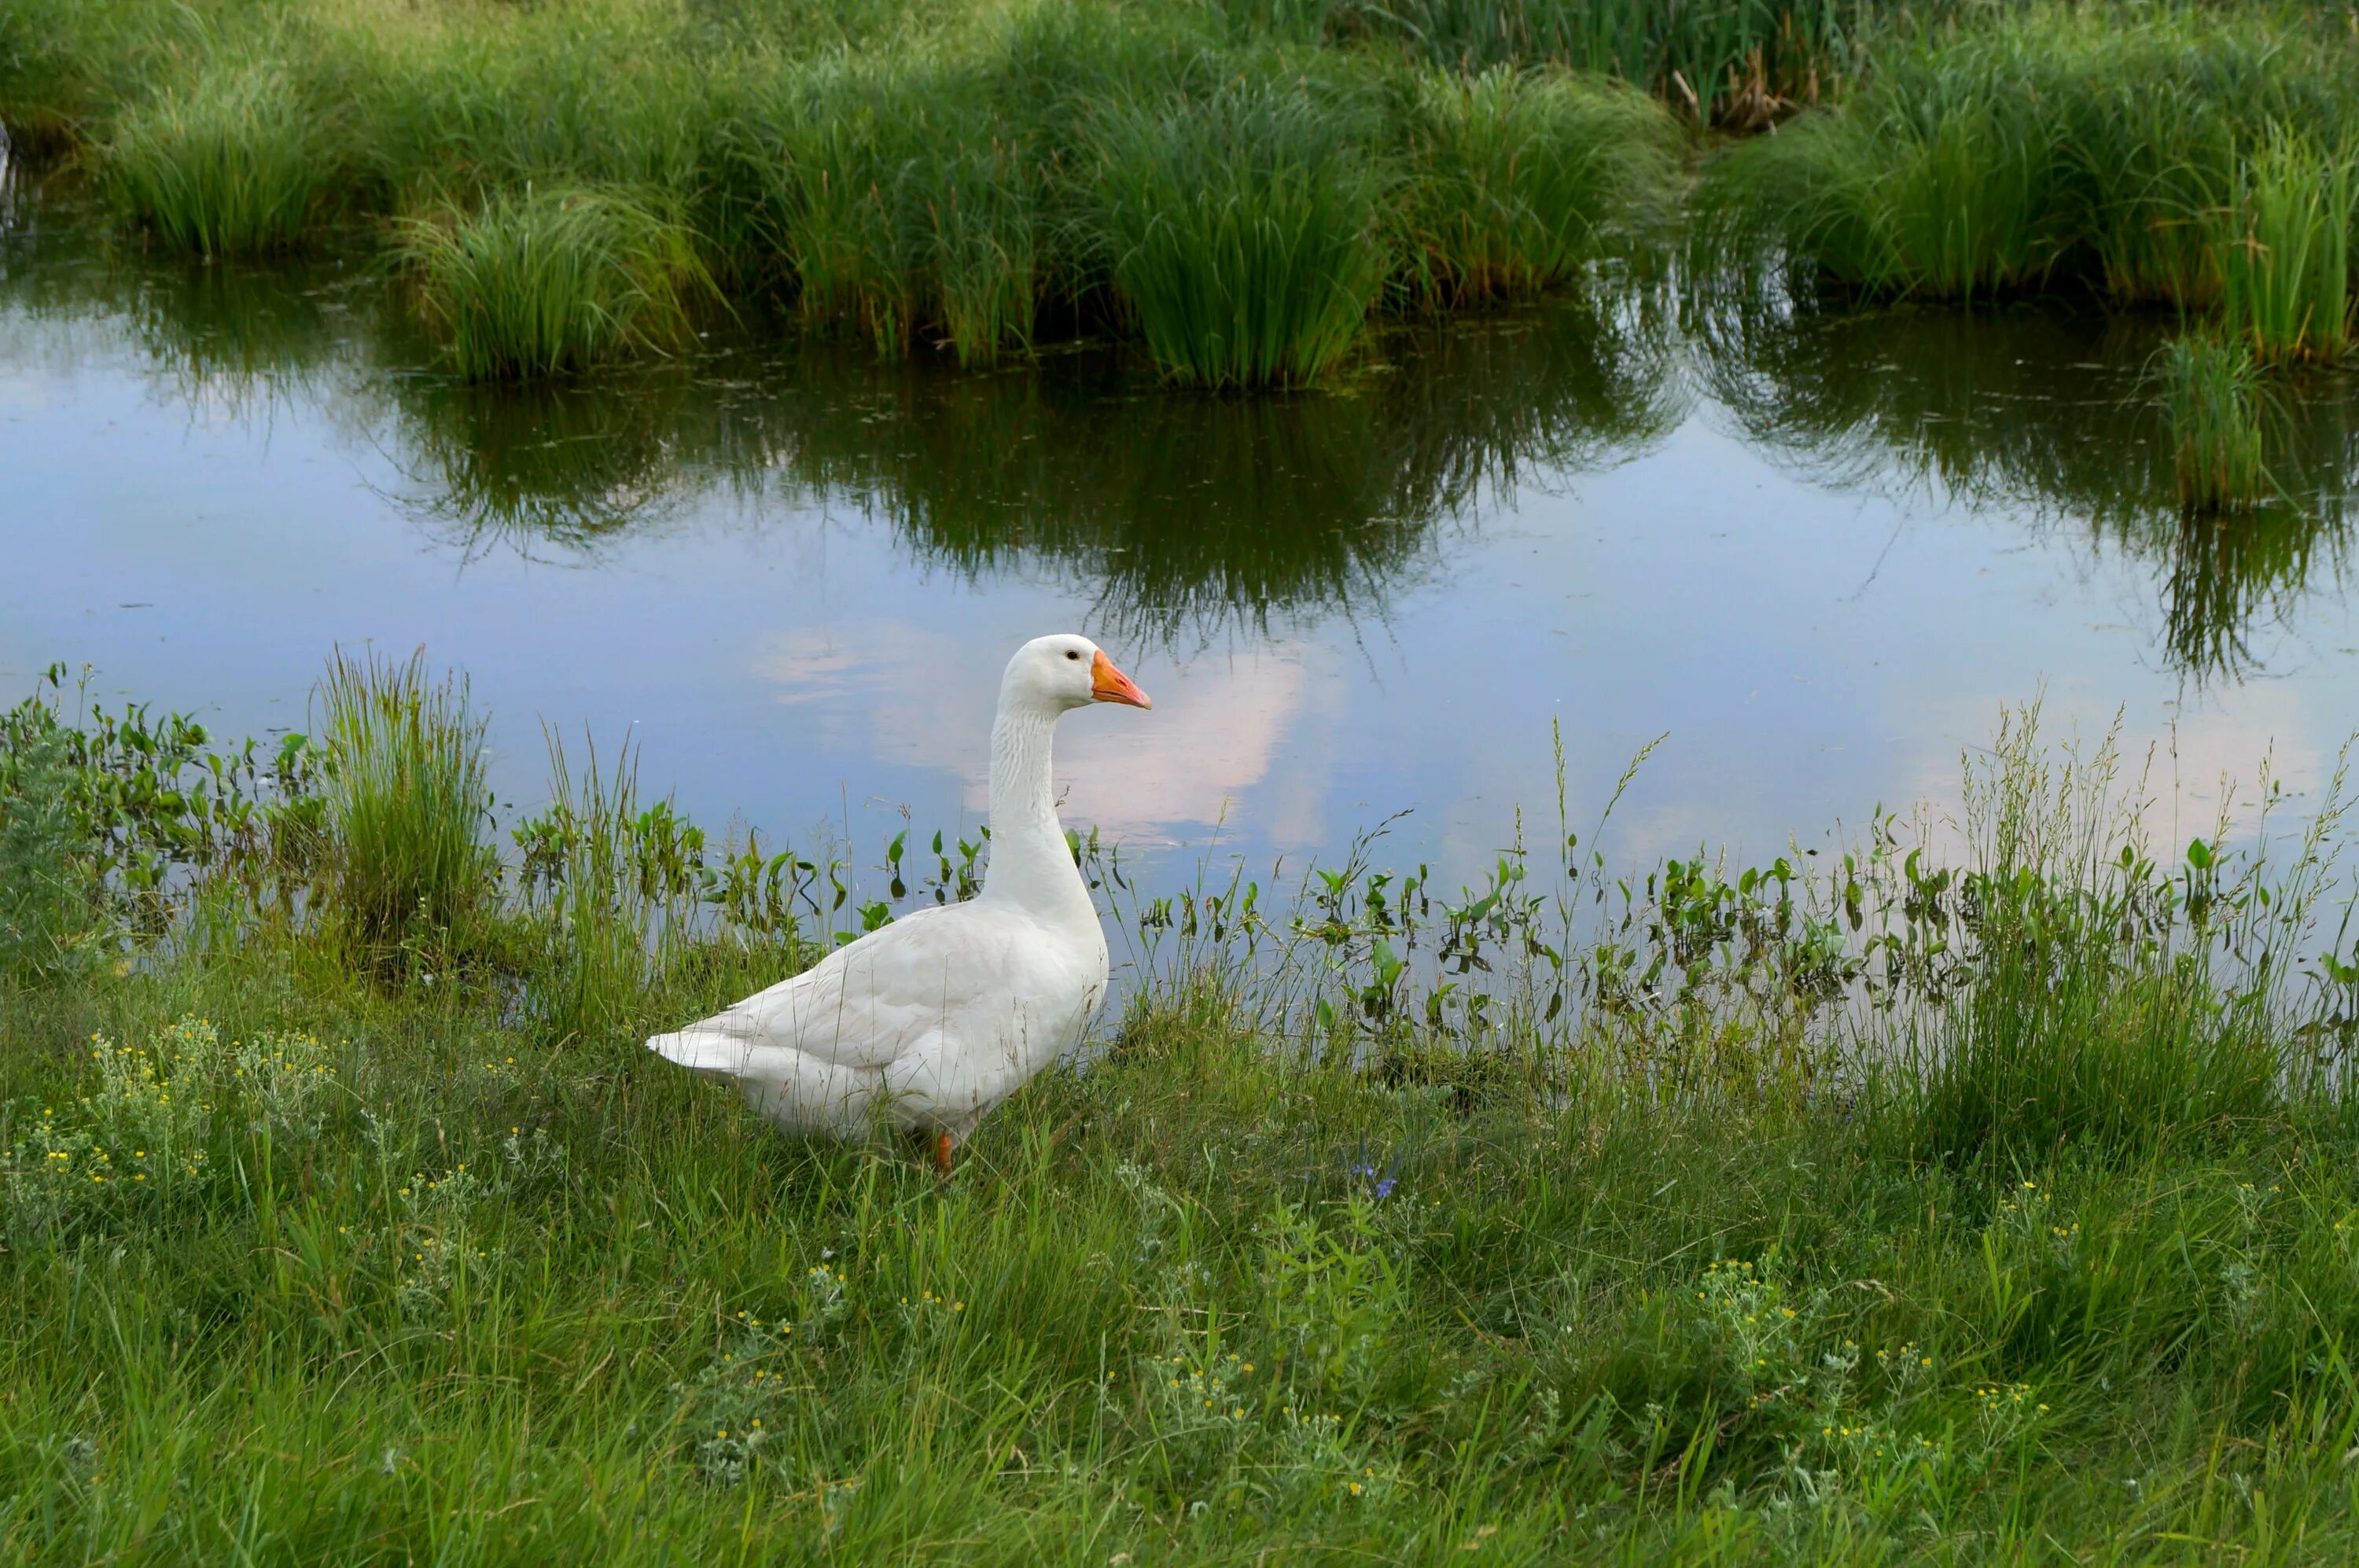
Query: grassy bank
pixel 1239 196
pixel 2197 159
pixel 2002 1210
pixel 1239 187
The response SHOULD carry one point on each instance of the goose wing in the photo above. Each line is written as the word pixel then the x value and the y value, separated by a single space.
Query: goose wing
pixel 865 1006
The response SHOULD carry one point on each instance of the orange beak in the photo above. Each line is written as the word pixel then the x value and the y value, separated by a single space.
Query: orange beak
pixel 1108 684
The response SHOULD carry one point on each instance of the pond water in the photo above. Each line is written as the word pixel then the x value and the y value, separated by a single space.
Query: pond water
pixel 1816 553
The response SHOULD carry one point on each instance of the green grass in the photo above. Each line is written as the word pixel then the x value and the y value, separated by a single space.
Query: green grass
pixel 2097 150
pixel 1243 233
pixel 406 807
pixel 944 175
pixel 1735 63
pixel 1705 1269
pixel 66 64
pixel 906 203
pixel 233 165
pixel 2282 248
pixel 2068 1035
pixel 939 177
pixel 44 893
pixel 550 281
pixel 1522 178
pixel 2212 396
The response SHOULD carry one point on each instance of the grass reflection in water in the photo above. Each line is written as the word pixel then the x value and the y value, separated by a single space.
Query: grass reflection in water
pixel 2053 413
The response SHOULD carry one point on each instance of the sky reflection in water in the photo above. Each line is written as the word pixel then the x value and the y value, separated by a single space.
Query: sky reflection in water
pixel 1817 553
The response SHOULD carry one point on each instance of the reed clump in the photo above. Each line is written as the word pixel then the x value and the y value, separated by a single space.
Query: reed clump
pixel 66 66
pixel 2114 152
pixel 232 164
pixel 1521 178
pixel 2281 246
pixel 907 205
pixel 1243 233
pixel 550 281
pixel 610 885
pixel 2212 402
pixel 407 806
pixel 2120 997
pixel 1237 191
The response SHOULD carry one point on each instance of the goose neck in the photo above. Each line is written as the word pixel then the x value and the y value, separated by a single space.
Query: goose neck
pixel 1029 862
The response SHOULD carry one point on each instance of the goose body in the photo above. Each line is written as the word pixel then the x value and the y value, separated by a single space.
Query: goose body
pixel 934 1019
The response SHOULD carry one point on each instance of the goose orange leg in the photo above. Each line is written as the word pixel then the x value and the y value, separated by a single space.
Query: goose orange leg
pixel 942 1156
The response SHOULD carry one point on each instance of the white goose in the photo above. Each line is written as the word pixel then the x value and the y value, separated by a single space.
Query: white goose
pixel 938 1017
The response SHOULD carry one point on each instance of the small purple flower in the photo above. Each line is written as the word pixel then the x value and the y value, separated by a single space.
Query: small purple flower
pixel 1381 1183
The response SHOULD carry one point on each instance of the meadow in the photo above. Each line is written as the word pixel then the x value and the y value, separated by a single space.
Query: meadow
pixel 1896 1209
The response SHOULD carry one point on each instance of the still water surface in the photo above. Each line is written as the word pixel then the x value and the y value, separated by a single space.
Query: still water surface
pixel 1814 552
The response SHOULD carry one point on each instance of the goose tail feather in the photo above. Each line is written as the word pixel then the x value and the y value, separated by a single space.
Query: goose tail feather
pixel 709 1052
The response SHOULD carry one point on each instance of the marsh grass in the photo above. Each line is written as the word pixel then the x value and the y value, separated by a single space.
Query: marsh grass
pixel 2093 150
pixel 907 205
pixel 551 281
pixel 66 66
pixel 1243 234
pixel 567 182
pixel 407 809
pixel 47 914
pixel 2105 1012
pixel 233 164
pixel 1936 180
pixel 1732 63
pixel 2281 246
pixel 612 902
pixel 1522 178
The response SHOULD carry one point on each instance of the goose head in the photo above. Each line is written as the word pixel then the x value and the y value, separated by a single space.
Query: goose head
pixel 1056 674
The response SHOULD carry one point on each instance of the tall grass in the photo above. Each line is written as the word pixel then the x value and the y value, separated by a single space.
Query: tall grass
pixel 2089 149
pixel 46 910
pixel 2103 1011
pixel 1243 233
pixel 545 282
pixel 2282 246
pixel 407 806
pixel 471 99
pixel 1731 62
pixel 66 66
pixel 604 873
pixel 1522 178
pixel 2211 398
pixel 906 203
pixel 233 165
pixel 940 190
pixel 1942 178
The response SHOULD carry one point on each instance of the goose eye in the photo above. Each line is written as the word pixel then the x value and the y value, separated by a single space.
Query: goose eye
pixel 1072 653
